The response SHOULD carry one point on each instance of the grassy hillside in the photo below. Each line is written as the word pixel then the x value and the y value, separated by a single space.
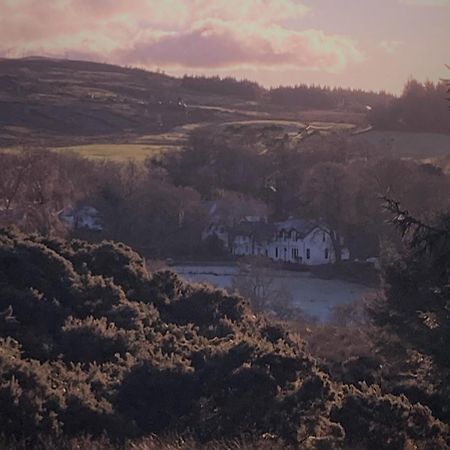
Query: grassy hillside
pixel 60 102
pixel 136 148
pixel 75 99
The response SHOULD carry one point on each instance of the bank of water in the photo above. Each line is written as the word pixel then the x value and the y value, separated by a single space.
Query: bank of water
pixel 314 296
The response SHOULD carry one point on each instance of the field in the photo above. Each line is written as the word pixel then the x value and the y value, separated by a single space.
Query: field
pixel 431 148
pixel 138 148
pixel 427 147
pixel 114 152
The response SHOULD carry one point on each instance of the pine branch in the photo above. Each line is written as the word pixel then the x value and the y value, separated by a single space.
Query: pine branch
pixel 420 235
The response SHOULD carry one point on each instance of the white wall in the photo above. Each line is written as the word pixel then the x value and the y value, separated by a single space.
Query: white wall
pixel 290 250
pixel 318 242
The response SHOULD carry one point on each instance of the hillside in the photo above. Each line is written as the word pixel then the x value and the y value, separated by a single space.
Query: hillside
pixel 103 111
pixel 73 102
pixel 52 98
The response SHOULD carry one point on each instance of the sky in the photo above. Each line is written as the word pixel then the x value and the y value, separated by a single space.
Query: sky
pixel 368 44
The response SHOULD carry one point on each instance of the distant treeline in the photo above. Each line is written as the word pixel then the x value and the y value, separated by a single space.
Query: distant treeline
pixel 299 97
pixel 317 97
pixel 421 107
pixel 245 89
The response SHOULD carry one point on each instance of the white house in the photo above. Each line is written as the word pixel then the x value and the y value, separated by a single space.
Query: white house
pixel 294 240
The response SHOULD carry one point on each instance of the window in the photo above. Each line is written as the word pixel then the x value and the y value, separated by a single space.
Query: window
pixel 308 253
pixel 327 253
pixel 276 252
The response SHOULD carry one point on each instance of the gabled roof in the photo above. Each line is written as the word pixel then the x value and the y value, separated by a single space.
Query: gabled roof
pixel 261 231
pixel 301 226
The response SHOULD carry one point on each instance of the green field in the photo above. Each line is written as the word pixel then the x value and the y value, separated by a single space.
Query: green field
pixel 138 148
pixel 115 152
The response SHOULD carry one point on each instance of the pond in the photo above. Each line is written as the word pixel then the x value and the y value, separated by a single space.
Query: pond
pixel 316 297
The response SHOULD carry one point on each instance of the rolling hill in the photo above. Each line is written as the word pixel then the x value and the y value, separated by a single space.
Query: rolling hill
pixel 102 111
pixel 62 102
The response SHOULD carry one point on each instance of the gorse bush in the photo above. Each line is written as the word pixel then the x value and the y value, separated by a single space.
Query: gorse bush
pixel 93 344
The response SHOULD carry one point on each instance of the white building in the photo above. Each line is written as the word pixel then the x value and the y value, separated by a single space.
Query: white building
pixel 294 241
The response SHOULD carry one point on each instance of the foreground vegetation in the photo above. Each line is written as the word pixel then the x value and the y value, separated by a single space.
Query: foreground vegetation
pixel 92 343
pixel 152 443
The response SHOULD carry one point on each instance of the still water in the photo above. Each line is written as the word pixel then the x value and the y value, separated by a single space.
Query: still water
pixel 314 296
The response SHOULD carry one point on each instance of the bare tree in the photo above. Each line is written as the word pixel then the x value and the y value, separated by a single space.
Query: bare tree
pixel 327 191
pixel 36 183
pixel 255 281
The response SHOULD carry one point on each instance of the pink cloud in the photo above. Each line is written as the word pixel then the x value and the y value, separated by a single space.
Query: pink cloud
pixel 218 44
pixel 173 33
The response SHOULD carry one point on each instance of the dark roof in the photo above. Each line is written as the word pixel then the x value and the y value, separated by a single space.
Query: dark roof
pixel 260 230
pixel 301 226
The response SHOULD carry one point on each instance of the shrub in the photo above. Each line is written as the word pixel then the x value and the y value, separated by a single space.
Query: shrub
pixel 92 343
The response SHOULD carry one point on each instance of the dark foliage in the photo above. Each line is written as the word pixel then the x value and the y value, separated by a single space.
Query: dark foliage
pixel 304 97
pixel 413 315
pixel 421 107
pixel 245 89
pixel 91 343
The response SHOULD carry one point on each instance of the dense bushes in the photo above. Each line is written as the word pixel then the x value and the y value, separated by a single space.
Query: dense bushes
pixel 92 343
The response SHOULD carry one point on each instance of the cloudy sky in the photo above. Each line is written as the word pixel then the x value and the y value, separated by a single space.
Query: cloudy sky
pixel 371 44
